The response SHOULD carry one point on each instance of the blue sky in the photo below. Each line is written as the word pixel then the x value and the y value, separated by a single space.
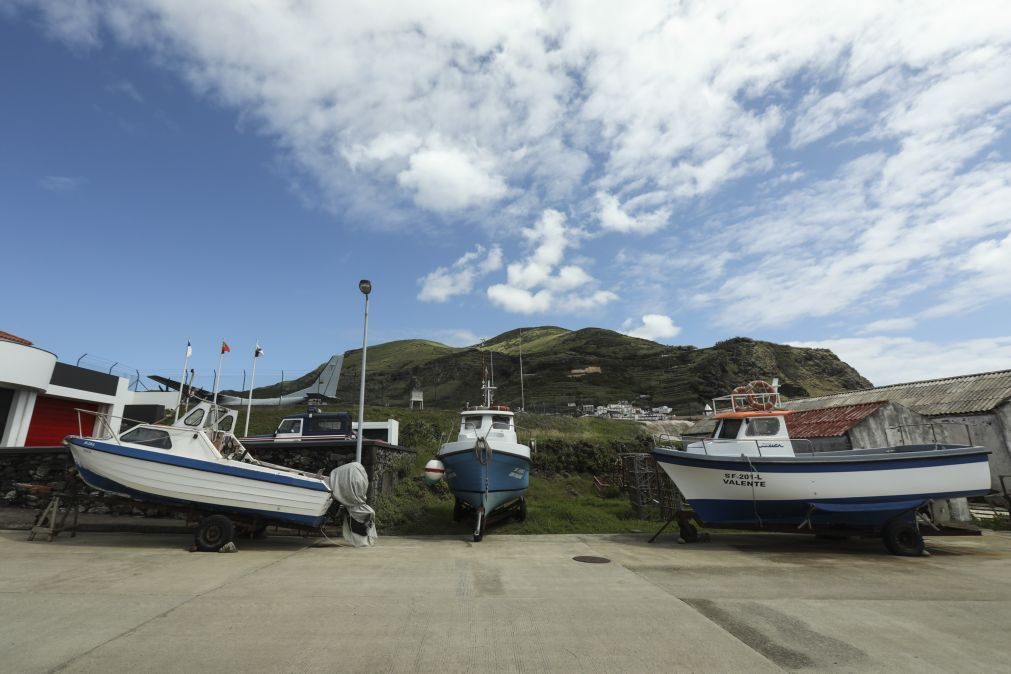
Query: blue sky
pixel 834 175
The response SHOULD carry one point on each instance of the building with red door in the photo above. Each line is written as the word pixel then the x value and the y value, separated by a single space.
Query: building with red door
pixel 40 396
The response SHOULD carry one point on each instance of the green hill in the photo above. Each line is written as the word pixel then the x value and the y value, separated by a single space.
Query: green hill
pixel 637 370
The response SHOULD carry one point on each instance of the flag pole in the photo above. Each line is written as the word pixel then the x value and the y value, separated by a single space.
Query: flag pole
pixel 217 378
pixel 182 381
pixel 252 379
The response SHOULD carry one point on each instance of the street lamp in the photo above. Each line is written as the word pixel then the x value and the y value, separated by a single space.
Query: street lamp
pixel 366 287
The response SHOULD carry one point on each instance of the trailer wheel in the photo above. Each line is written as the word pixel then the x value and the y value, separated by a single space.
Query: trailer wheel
pixel 903 538
pixel 688 532
pixel 457 510
pixel 521 511
pixel 213 532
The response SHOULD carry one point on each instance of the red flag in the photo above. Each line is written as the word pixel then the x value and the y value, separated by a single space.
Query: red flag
pixel 224 347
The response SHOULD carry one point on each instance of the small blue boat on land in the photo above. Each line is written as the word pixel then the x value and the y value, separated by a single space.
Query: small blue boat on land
pixel 486 467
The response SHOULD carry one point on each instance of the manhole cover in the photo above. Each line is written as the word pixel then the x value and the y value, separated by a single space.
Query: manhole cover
pixel 591 560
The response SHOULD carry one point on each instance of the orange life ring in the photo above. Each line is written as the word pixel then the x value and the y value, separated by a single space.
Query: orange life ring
pixel 740 397
pixel 760 396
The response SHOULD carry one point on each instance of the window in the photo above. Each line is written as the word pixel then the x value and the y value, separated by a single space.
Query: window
pixel 500 422
pixel 152 437
pixel 194 418
pixel 290 426
pixel 330 426
pixel 472 423
pixel 729 428
pixel 763 426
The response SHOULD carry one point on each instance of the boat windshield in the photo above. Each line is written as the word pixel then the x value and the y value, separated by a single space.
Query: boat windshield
pixel 729 429
pixel 151 437
pixel 195 417
pixel 472 423
pixel 763 426
pixel 500 423
pixel 290 426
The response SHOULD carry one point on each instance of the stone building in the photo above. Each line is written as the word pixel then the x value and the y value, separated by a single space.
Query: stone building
pixel 970 409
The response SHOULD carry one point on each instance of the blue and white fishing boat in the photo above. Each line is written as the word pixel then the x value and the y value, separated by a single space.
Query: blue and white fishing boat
pixel 199 464
pixel 748 475
pixel 486 467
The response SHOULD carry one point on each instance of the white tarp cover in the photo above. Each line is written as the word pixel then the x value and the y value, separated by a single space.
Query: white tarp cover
pixel 350 485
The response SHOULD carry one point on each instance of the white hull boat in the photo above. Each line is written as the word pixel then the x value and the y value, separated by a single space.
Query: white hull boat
pixel 193 464
pixel 748 475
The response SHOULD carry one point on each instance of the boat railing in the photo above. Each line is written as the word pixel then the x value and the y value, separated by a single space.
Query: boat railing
pixel 933 431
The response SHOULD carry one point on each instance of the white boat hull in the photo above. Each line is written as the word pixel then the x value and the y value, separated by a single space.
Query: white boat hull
pixel 748 490
pixel 213 485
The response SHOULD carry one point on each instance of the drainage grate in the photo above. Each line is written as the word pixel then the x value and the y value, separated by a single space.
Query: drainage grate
pixel 591 560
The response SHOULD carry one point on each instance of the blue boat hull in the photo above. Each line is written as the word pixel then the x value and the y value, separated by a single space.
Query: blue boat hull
pixel 499 480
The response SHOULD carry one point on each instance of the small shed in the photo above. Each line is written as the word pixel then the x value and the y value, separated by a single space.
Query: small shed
pixel 970 409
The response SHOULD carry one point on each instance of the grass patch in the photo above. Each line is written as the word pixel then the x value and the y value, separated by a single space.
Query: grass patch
pixel 555 505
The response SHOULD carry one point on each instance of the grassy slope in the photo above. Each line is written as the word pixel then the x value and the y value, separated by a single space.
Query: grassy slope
pixel 682 377
pixel 562 503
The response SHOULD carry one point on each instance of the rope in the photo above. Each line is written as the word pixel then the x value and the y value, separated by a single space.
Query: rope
pixel 754 499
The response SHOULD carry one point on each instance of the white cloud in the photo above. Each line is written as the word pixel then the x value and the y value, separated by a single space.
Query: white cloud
pixel 613 218
pixel 447 179
pixel 458 279
pixel 534 286
pixel 892 360
pixel 889 325
pixel 61 183
pixel 883 127
pixel 455 337
pixel 654 327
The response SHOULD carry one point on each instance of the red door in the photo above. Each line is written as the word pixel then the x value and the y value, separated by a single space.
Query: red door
pixel 56 418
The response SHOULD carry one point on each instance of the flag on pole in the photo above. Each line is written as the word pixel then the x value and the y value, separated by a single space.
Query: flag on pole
pixel 258 352
pixel 224 347
pixel 189 349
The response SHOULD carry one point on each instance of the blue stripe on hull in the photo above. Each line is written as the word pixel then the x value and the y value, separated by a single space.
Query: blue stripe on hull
pixel 105 484
pixel 505 479
pixel 817 465
pixel 185 462
pixel 747 512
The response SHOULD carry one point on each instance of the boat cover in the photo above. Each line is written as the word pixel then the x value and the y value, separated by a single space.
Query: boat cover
pixel 872 506
pixel 350 485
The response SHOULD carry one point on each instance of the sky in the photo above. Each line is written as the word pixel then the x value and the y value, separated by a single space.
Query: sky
pixel 832 175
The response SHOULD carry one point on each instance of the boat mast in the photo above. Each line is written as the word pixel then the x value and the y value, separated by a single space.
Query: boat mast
pixel 523 399
pixel 487 383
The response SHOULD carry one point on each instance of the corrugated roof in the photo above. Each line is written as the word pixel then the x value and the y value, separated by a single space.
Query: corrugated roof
pixel 828 422
pixel 952 395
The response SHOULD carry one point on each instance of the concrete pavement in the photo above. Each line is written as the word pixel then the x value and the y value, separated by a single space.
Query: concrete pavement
pixel 740 602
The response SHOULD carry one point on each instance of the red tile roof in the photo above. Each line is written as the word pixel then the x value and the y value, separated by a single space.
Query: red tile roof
pixel 8 337
pixel 828 422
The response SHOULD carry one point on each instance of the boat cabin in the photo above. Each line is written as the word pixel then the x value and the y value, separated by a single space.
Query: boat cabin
pixel 315 425
pixel 490 422
pixel 748 433
pixel 208 417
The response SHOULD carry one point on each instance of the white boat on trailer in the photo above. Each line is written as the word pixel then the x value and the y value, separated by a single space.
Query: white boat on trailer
pixel 198 464
pixel 749 475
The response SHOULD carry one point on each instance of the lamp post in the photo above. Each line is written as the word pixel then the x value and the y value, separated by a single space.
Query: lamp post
pixel 366 287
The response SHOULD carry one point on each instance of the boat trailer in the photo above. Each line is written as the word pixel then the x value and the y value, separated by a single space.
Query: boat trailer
pixel 902 531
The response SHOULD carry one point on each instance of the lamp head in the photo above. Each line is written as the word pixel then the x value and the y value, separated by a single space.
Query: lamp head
pixel 365 286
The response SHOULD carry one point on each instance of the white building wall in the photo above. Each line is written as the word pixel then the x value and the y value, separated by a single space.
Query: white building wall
pixel 16 432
